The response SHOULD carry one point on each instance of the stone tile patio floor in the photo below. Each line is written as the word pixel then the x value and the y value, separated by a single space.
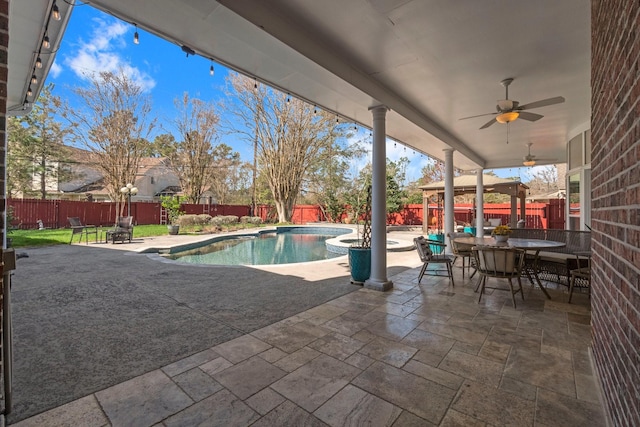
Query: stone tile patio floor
pixel 419 355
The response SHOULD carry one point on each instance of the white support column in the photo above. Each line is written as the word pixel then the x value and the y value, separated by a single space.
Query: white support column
pixel 479 203
pixel 449 218
pixel 514 212
pixel 378 280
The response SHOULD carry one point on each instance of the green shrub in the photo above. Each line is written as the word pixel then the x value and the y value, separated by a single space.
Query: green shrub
pixel 256 220
pixel 224 220
pixel 193 220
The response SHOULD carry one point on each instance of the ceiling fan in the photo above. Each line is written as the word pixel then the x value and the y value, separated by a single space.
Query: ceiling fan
pixel 508 110
pixel 530 159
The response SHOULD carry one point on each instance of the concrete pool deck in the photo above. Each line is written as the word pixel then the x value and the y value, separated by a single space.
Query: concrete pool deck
pixel 111 337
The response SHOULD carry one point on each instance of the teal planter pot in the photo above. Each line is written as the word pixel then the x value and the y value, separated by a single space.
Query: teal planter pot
pixel 360 263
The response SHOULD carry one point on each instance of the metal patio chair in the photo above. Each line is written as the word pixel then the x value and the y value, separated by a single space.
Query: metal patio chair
pixel 83 230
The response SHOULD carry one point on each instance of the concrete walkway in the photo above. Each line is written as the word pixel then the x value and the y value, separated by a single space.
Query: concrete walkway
pixel 120 339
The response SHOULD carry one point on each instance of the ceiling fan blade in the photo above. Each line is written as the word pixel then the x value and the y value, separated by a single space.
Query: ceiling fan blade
pixel 479 115
pixel 489 123
pixel 542 103
pixel 532 117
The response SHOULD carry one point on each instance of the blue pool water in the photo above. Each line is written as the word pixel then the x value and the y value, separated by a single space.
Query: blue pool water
pixel 284 246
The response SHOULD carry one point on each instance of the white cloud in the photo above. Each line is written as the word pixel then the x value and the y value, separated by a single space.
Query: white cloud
pixel 101 54
pixel 55 70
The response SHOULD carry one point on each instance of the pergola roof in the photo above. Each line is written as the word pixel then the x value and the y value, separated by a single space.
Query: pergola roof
pixel 465 184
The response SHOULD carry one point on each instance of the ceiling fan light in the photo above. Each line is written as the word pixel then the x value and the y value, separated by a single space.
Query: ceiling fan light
pixel 529 162
pixel 507 117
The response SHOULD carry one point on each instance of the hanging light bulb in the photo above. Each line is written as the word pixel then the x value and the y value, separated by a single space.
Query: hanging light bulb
pixel 38 62
pixel 288 98
pixel 29 91
pixel 34 79
pixel 211 70
pixel 255 83
pixel 136 36
pixel 45 42
pixel 315 109
pixel 55 12
pixel 337 119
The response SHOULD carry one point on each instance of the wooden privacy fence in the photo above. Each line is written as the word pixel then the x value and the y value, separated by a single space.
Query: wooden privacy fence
pixel 54 213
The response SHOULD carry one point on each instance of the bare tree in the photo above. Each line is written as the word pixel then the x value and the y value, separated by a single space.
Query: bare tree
pixel 288 135
pixel 113 124
pixel 192 159
pixel 544 180
pixel 223 180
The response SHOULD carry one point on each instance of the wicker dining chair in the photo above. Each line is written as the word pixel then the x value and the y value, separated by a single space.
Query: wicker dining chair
pixel 427 256
pixel 461 250
pixel 499 263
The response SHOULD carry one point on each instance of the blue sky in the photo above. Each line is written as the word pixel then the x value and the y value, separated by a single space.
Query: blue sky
pixel 95 41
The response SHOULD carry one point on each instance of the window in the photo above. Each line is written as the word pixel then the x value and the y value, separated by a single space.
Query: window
pixel 574 202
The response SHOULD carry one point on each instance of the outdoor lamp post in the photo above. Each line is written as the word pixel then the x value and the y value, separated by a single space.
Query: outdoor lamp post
pixel 129 190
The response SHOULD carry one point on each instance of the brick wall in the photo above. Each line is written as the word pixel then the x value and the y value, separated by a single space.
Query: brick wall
pixel 4 44
pixel 615 125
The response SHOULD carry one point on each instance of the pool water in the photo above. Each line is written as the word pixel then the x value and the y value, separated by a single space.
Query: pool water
pixel 264 249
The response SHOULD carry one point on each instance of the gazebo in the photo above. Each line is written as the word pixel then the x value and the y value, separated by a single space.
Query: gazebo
pixel 467 184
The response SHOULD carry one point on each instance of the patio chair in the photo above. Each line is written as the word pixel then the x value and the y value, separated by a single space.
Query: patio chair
pixel 499 263
pixel 83 230
pixel 423 246
pixel 582 273
pixel 122 231
pixel 463 251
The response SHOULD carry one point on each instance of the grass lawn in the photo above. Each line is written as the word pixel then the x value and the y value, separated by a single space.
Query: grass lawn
pixel 61 236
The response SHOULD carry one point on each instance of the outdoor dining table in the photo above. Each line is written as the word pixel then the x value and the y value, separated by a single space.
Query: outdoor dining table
pixel 529 245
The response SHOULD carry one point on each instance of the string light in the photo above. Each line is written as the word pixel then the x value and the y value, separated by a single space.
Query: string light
pixel 38 62
pixel 211 69
pixel 34 79
pixel 255 83
pixel 136 36
pixel 55 12
pixel 45 42
pixel 29 91
pixel 288 98
pixel 315 109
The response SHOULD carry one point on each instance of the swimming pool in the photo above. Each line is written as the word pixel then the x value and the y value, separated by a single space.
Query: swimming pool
pixel 285 245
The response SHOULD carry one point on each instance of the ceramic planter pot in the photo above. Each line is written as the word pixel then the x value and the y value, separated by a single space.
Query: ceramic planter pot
pixel 360 262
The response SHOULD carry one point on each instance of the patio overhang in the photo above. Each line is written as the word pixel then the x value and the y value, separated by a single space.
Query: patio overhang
pixel 30 21
pixel 431 63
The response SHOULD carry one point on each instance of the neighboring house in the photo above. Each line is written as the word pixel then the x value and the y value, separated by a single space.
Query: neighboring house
pixel 153 179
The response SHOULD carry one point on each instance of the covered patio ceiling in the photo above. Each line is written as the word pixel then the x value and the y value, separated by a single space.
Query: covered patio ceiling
pixel 431 62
